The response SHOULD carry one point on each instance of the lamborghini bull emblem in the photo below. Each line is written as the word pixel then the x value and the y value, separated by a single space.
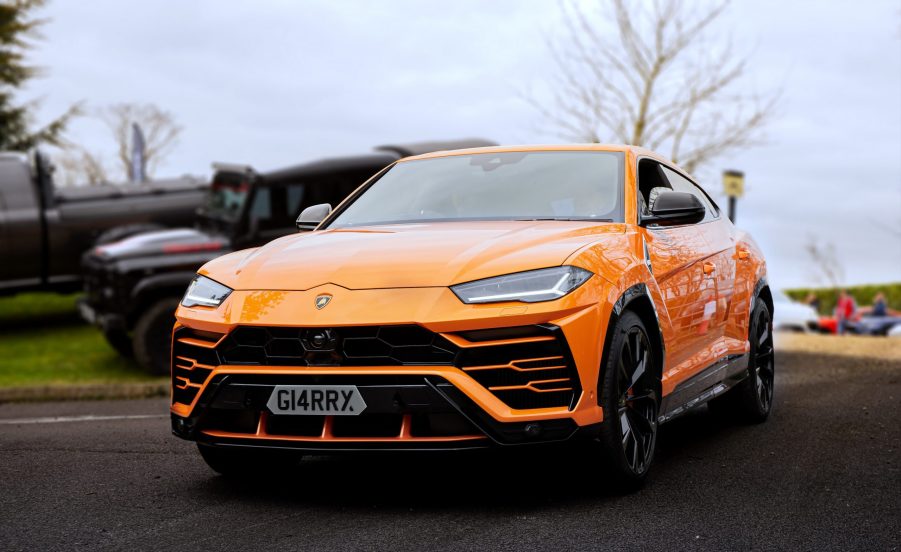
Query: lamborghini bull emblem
pixel 322 301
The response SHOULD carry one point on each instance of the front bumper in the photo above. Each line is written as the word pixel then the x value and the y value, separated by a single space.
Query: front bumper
pixel 524 378
pixel 108 322
pixel 403 413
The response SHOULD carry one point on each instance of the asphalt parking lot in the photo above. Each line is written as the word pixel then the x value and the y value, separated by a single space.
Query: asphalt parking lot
pixel 823 473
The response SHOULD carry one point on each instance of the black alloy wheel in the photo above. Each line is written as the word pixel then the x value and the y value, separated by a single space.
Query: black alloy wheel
pixel 629 394
pixel 752 399
pixel 637 403
pixel 763 365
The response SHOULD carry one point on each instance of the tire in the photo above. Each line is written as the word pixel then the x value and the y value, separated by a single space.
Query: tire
pixel 630 397
pixel 122 232
pixel 242 463
pixel 751 401
pixel 119 340
pixel 152 337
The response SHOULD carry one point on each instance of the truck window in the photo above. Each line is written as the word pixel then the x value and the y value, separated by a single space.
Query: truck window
pixel 262 205
pixel 277 207
pixel 295 197
pixel 226 197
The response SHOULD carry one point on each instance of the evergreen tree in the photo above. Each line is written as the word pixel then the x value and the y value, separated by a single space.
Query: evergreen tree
pixel 17 28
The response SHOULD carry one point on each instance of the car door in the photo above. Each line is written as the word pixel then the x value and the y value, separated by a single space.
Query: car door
pixel 683 262
pixel 719 233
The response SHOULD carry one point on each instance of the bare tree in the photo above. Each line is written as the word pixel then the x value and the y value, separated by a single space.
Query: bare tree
pixel 78 166
pixel 159 127
pixel 825 263
pixel 653 80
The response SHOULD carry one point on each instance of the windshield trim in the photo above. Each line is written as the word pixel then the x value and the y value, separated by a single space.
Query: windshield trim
pixel 471 219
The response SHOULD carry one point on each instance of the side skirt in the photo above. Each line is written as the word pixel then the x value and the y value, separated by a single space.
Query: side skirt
pixel 713 381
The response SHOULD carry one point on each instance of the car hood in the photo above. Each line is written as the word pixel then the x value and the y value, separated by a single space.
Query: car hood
pixel 409 255
pixel 161 242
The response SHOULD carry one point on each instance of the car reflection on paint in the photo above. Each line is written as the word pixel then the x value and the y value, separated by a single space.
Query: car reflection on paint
pixel 480 298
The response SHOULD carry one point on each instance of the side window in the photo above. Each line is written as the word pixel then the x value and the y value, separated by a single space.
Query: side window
pixel 681 184
pixel 261 209
pixel 295 197
pixel 269 208
pixel 649 177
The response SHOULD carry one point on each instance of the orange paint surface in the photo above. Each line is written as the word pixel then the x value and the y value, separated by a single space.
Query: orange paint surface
pixel 701 282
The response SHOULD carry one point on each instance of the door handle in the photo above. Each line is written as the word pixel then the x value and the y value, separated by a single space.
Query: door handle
pixel 743 254
pixel 709 268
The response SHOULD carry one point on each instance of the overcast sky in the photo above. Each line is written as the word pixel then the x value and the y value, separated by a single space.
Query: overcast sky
pixel 275 83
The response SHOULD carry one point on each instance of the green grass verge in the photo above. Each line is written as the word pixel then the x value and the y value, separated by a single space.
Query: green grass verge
pixel 863 295
pixel 43 342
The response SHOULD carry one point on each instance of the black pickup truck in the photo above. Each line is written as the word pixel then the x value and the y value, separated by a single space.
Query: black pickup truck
pixel 44 231
pixel 133 286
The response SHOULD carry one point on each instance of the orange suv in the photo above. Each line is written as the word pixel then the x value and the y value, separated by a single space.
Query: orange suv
pixel 479 298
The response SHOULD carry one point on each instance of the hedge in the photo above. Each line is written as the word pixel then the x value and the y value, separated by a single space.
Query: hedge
pixel 863 295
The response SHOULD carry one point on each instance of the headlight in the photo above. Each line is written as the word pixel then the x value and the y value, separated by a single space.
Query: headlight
pixel 205 293
pixel 533 286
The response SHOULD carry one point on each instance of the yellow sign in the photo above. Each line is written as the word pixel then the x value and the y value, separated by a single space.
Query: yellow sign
pixel 734 183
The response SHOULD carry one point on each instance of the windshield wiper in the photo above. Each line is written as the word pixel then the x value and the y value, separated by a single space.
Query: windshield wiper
pixel 580 219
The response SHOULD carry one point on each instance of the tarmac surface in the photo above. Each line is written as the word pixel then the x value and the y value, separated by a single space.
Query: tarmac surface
pixel 823 473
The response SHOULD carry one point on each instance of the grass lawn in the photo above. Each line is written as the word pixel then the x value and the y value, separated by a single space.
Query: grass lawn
pixel 44 342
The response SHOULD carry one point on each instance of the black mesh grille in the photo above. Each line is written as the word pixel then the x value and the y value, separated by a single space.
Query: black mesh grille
pixel 361 346
pixel 529 374
pixel 536 371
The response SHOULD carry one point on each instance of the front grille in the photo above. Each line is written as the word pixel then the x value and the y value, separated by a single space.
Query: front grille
pixel 94 278
pixel 352 346
pixel 525 366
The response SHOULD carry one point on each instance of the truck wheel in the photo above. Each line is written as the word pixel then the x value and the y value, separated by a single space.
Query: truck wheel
pixel 119 340
pixel 122 232
pixel 152 341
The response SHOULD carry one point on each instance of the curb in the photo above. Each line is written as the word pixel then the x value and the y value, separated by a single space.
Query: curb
pixel 84 392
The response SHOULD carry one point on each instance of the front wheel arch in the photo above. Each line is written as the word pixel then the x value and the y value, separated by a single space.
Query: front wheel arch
pixel 762 292
pixel 635 299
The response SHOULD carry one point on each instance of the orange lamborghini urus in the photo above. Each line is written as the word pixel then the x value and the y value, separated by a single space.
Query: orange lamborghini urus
pixel 490 297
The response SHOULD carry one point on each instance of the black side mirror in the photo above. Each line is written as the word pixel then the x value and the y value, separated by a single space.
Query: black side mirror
pixel 310 217
pixel 672 208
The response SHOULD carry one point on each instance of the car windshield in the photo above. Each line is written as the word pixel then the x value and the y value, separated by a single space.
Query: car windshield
pixel 546 185
pixel 226 197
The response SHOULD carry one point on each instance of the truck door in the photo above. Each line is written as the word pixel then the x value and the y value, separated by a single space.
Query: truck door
pixel 21 231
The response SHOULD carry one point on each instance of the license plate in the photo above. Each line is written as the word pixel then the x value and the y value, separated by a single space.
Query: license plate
pixel 316 400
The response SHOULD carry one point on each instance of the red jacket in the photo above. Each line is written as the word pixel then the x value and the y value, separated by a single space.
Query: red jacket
pixel 845 308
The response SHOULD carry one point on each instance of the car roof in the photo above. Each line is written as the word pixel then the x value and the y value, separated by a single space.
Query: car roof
pixel 419 148
pixel 636 150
